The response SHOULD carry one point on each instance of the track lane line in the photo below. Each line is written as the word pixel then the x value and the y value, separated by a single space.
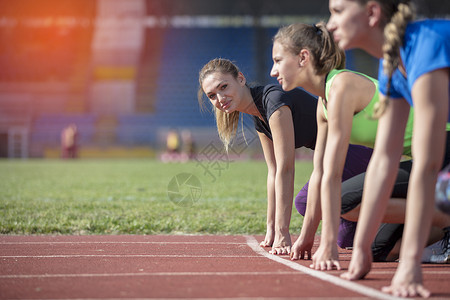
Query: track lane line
pixel 163 274
pixel 128 256
pixel 93 242
pixel 350 285
pixel 237 298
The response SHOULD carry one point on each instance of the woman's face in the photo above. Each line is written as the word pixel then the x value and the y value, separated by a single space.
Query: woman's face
pixel 348 23
pixel 224 91
pixel 285 67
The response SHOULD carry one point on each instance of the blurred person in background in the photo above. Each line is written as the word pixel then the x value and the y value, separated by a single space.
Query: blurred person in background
pixel 69 139
pixel 188 145
pixel 173 146
pixel 173 143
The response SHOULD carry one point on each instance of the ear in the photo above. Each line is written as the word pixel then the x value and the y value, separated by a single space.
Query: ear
pixel 303 57
pixel 374 13
pixel 241 79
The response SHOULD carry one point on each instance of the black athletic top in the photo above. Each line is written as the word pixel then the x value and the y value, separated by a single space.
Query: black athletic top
pixel 303 106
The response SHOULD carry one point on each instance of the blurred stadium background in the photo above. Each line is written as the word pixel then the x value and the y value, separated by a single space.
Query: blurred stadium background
pixel 125 71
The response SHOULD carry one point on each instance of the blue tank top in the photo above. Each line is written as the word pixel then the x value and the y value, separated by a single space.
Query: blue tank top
pixel 426 47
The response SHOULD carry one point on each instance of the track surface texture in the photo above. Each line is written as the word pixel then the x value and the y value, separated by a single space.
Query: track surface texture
pixel 180 267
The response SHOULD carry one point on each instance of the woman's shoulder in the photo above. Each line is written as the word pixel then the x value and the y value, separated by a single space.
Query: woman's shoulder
pixel 272 90
pixel 274 97
pixel 438 26
pixel 267 93
pixel 344 79
pixel 275 93
pixel 346 74
pixel 426 31
pixel 426 47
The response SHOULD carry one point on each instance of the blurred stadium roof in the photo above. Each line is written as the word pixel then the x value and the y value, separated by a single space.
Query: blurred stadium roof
pixel 426 8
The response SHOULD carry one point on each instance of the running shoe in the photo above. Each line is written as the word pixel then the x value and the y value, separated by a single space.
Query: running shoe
pixel 439 252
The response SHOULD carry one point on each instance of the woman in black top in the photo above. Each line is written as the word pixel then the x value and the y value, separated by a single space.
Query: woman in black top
pixel 284 121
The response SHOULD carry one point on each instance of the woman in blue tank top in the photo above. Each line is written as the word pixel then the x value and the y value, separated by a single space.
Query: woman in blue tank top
pixel 414 71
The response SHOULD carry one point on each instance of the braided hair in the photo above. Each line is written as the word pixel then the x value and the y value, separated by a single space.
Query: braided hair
pixel 396 14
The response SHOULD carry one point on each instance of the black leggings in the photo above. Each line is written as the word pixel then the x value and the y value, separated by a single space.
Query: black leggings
pixel 388 234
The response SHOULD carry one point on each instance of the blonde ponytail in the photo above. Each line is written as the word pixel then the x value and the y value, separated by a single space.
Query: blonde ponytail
pixel 227 125
pixel 394 32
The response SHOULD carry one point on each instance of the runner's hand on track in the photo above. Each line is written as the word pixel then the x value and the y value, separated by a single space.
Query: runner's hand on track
pixel 326 258
pixel 282 244
pixel 300 248
pixel 268 240
pixel 284 250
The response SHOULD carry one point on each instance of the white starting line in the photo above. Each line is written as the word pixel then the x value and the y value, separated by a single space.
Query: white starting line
pixel 350 285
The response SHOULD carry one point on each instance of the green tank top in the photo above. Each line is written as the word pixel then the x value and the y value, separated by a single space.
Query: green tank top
pixel 364 128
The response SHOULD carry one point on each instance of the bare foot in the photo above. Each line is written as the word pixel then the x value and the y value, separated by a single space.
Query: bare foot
pixel 268 240
pixel 299 249
pixel 360 265
pixel 407 281
pixel 326 258
pixel 282 244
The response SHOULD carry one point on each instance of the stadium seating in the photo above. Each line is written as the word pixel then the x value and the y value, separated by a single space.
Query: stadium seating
pixel 175 98
pixel 184 53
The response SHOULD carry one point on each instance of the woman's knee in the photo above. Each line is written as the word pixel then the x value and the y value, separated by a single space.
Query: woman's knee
pixel 300 204
pixel 352 215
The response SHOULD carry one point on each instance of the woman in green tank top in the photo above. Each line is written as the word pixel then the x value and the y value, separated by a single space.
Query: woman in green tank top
pixel 306 56
pixel 364 127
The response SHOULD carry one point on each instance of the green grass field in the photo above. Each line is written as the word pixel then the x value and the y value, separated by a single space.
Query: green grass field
pixel 131 197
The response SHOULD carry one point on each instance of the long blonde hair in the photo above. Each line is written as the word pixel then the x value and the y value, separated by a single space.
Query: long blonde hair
pixel 318 40
pixel 227 123
pixel 396 14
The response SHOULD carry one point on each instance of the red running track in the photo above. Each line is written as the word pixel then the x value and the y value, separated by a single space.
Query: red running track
pixel 179 267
